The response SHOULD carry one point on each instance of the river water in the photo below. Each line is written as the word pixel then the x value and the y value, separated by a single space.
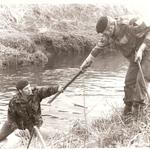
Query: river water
pixel 99 89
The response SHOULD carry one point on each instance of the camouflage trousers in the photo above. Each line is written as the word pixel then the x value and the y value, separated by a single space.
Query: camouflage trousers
pixel 135 91
pixel 7 128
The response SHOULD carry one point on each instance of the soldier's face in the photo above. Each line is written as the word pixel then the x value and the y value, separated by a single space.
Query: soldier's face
pixel 109 30
pixel 27 90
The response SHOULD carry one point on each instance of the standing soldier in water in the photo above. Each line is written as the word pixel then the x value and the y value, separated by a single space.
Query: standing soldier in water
pixel 132 38
pixel 24 110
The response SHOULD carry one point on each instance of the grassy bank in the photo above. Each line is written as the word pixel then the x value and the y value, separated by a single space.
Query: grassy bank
pixel 33 34
pixel 115 131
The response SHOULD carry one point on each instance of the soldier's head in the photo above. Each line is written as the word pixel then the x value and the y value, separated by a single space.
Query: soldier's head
pixel 106 25
pixel 24 87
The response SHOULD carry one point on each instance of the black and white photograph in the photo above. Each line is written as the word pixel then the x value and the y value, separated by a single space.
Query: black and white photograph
pixel 74 74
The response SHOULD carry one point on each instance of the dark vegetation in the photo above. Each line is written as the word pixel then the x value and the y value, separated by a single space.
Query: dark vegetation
pixel 39 34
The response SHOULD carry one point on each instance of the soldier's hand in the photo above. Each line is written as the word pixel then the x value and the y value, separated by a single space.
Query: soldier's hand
pixel 138 56
pixel 85 65
pixel 60 89
pixel 139 53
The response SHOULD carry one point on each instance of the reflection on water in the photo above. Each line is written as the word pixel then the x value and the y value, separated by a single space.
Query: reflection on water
pixel 100 88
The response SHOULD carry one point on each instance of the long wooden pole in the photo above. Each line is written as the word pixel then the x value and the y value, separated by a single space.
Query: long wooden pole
pixel 58 93
pixel 144 82
pixel 36 130
pixel 32 133
pixel 40 136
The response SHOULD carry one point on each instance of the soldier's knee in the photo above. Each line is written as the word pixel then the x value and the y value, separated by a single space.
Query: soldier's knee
pixel 6 129
pixel 2 137
pixel 3 134
pixel 129 88
pixel 129 93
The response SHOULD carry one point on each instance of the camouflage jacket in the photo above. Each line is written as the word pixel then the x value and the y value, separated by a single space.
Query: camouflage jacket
pixel 26 111
pixel 127 38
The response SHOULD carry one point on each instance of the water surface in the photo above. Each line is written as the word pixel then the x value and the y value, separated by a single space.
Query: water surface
pixel 99 89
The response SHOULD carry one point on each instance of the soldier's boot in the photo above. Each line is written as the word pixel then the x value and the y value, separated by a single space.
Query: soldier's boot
pixel 137 112
pixel 127 113
pixel 127 109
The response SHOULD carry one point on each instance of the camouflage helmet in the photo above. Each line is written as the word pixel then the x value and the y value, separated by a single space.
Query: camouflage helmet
pixel 21 84
pixel 104 23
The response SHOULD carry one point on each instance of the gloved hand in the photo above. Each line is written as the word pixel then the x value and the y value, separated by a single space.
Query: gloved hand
pixel 87 63
pixel 60 89
pixel 138 56
pixel 139 53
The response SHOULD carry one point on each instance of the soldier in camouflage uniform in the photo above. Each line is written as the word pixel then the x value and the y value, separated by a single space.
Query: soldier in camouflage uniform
pixel 24 110
pixel 132 38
